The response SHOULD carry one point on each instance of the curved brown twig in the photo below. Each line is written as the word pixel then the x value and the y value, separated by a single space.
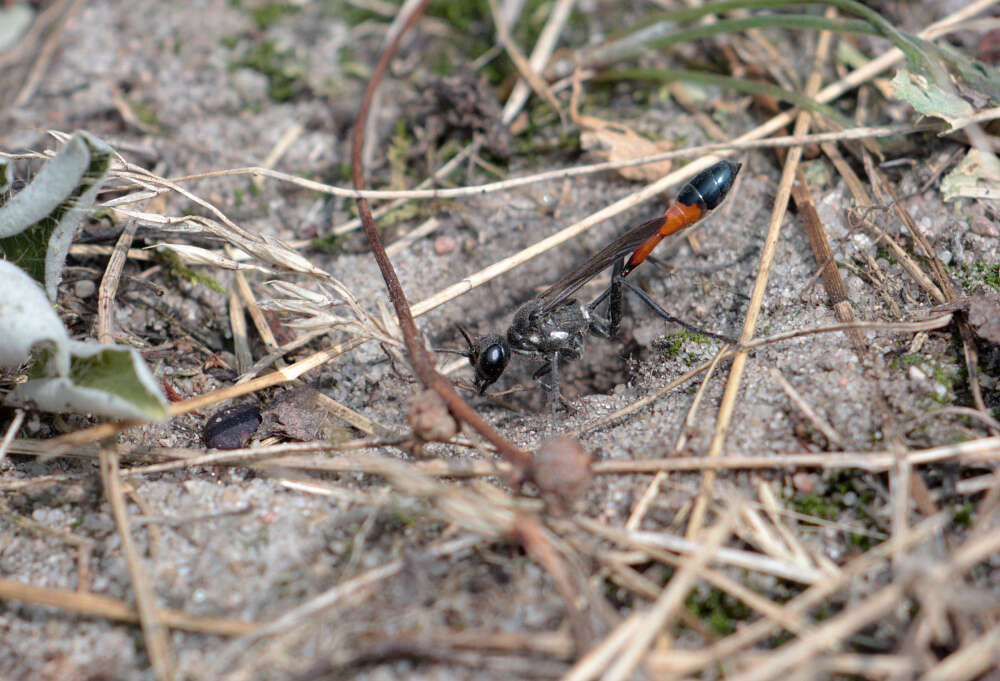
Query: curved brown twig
pixel 420 359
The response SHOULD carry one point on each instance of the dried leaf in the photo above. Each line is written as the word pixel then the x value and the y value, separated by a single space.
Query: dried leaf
pixel 195 255
pixel 929 99
pixel 976 176
pixel 617 142
pixel 624 144
pixel 298 415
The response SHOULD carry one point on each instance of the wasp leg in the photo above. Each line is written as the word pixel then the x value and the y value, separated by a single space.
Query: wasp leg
pixel 669 317
pixel 616 294
pixel 554 395
pixel 550 367
pixel 608 328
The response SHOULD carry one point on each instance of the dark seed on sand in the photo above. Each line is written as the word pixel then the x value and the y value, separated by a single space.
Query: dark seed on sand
pixel 232 427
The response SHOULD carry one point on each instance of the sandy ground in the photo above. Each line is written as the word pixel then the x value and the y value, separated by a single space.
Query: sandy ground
pixel 239 543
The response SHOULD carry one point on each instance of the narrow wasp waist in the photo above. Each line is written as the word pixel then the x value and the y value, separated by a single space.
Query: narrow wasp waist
pixel 554 325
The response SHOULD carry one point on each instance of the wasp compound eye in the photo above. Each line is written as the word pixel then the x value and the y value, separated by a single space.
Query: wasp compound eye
pixel 489 356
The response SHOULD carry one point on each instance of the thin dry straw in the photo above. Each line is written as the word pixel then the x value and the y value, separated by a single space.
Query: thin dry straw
pixel 731 392
pixel 153 629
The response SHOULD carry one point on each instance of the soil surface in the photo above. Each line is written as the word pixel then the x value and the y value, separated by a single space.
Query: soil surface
pixel 187 88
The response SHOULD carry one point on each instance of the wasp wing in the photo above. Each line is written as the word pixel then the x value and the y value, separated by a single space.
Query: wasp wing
pixel 624 245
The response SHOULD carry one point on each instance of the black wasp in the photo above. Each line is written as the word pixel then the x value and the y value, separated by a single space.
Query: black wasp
pixel 553 325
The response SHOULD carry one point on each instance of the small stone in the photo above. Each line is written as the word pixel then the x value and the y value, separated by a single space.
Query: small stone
pixel 804 482
pixel 444 245
pixel 984 315
pixel 84 288
pixel 983 227
pixel 252 86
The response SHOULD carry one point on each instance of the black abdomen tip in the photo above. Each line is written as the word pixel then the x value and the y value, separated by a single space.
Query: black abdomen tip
pixel 709 187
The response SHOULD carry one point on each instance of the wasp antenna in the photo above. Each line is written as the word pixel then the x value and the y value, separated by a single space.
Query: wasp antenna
pixel 468 338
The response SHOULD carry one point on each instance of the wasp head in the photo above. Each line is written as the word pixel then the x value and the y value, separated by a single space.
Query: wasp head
pixel 488 355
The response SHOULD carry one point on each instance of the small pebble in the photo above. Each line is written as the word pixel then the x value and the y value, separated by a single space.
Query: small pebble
pixel 984 227
pixel 444 245
pixel 84 288
pixel 251 85
pixel 804 482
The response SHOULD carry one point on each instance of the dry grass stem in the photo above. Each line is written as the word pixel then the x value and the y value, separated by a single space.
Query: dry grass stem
pixel 342 595
pixel 238 326
pixel 646 500
pixel 110 283
pixel 670 600
pixel 87 250
pixel 11 432
pixel 819 423
pixel 249 301
pixel 836 291
pixel 729 396
pixel 95 605
pixel 985 449
pixel 419 193
pixel 527 70
pixel 153 628
pixel 540 55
